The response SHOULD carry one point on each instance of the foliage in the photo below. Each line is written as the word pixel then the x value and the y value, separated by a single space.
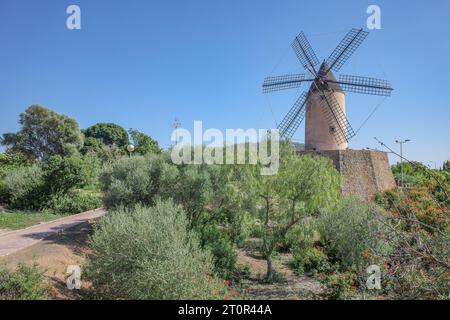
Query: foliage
pixel 48 185
pixel 311 259
pixel 446 165
pixel 107 134
pixel 418 231
pixel 63 174
pixel 22 187
pixel 44 133
pixel 339 285
pixel 149 253
pixel 137 180
pixel 418 201
pixel 26 283
pixel 143 143
pixel 306 255
pixel 11 160
pixel 417 175
pixel 74 201
pixel 194 191
pixel 352 232
pixel 92 146
pixel 301 188
pixel 221 247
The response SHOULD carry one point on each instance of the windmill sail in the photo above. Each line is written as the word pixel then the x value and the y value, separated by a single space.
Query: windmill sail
pixel 346 48
pixel 305 53
pixel 295 116
pixel 365 85
pixel 283 82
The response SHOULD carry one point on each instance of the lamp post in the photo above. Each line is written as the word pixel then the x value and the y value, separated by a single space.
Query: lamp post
pixel 401 157
pixel 130 149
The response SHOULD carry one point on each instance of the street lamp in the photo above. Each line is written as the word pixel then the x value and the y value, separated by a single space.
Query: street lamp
pixel 130 149
pixel 401 157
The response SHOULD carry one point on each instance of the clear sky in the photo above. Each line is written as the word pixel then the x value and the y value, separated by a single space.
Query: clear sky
pixel 142 63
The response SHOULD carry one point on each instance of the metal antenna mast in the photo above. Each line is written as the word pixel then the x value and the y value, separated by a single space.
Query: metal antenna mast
pixel 176 124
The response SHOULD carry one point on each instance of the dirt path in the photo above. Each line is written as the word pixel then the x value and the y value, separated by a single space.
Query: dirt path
pixel 291 287
pixel 54 255
pixel 14 241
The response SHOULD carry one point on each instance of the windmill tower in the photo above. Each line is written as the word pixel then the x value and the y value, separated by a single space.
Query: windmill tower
pixel 327 130
pixel 327 127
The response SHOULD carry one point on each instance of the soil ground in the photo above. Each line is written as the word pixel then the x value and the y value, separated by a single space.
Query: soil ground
pixel 54 255
pixel 69 247
pixel 290 287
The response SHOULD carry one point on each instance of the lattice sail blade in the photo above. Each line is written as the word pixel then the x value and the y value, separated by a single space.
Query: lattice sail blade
pixel 365 85
pixel 283 82
pixel 346 48
pixel 305 52
pixel 294 117
pixel 340 128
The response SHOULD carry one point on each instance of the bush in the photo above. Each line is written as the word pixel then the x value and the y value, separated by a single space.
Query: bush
pixel 352 232
pixel 221 248
pixel 310 260
pixel 50 184
pixel 26 283
pixel 419 202
pixel 149 253
pixel 22 188
pixel 75 201
pixel 63 174
pixel 241 227
pixel 137 180
pixel 302 240
pixel 339 286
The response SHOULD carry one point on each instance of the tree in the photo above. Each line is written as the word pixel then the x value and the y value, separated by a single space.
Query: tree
pixel 63 174
pixel 44 133
pixel 446 165
pixel 108 134
pixel 143 143
pixel 302 186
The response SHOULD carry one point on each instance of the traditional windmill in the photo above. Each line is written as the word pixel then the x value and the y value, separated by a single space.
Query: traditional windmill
pixel 326 127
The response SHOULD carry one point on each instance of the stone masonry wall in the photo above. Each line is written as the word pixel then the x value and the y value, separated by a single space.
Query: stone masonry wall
pixel 364 172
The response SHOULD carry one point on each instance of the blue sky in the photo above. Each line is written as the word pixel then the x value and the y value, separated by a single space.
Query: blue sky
pixel 142 63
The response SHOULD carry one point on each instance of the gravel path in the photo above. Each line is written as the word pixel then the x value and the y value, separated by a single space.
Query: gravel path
pixel 16 240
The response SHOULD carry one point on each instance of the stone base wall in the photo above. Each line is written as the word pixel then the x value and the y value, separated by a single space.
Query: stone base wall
pixel 364 172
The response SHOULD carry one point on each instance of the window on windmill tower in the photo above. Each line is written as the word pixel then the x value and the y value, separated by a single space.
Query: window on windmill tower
pixel 332 129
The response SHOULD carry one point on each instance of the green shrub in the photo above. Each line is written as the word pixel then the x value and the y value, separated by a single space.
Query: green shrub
pixel 22 188
pixel 352 232
pixel 310 260
pixel 149 253
pixel 137 180
pixel 339 286
pixel 75 201
pixel 221 248
pixel 50 184
pixel 63 174
pixel 26 283
pixel 241 227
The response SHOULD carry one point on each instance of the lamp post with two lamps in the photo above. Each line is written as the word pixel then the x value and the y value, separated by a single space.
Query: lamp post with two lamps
pixel 401 142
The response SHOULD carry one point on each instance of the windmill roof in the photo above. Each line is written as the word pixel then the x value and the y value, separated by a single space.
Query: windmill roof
pixel 330 77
